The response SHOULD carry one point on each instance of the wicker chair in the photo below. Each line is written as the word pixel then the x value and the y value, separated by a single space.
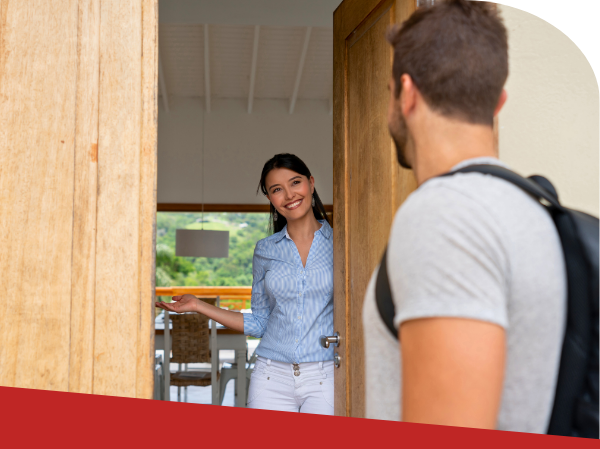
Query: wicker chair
pixel 191 343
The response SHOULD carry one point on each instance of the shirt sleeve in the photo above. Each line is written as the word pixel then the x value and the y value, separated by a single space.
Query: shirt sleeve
pixel 447 258
pixel 255 323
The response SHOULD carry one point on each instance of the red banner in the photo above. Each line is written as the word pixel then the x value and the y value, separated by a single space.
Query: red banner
pixel 47 418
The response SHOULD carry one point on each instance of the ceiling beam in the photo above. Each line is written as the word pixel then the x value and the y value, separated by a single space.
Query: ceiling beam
pixel 253 69
pixel 206 69
pixel 162 85
pixel 300 68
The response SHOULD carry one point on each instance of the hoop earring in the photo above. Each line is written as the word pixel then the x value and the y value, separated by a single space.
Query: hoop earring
pixel 275 216
pixel 313 201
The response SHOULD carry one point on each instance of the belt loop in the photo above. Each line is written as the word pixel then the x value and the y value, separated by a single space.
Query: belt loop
pixel 322 371
pixel 266 366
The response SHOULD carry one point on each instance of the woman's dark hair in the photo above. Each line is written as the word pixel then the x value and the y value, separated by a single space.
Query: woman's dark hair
pixel 294 163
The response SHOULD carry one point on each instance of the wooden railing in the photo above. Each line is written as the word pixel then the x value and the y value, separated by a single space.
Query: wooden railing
pixel 231 297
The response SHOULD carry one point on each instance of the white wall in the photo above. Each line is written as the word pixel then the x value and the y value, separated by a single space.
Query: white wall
pixel 237 146
pixel 549 125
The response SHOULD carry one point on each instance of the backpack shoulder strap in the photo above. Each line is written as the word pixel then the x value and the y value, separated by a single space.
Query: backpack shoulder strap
pixel 383 293
pixel 529 185
pixel 383 296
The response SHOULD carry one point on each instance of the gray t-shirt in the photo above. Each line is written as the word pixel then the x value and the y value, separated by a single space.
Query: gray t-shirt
pixel 474 246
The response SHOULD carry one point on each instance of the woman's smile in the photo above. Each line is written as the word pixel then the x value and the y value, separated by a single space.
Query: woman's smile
pixel 294 205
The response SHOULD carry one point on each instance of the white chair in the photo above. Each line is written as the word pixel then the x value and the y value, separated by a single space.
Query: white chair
pixel 229 373
pixel 159 378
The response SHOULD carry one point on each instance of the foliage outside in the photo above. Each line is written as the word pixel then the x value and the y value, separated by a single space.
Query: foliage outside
pixel 236 270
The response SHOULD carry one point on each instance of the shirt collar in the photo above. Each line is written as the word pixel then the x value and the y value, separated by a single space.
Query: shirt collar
pixel 325 230
pixel 478 161
pixel 281 234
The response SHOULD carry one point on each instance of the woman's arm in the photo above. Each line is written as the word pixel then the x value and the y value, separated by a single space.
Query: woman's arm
pixel 189 303
pixel 255 323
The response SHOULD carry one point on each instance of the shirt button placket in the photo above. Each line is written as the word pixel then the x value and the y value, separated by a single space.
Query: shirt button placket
pixel 299 309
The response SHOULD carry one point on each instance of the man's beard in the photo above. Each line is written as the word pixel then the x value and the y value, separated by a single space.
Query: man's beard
pixel 401 139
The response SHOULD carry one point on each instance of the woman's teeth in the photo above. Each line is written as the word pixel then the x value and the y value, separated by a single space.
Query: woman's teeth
pixel 293 205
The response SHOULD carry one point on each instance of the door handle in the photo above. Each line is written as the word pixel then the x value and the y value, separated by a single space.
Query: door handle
pixel 326 341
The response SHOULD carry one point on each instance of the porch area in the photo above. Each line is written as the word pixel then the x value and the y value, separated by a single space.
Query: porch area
pixel 234 350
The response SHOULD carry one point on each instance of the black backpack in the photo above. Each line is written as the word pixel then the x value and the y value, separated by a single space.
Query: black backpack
pixel 575 409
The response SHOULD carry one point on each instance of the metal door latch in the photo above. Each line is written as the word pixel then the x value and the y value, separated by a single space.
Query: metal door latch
pixel 326 341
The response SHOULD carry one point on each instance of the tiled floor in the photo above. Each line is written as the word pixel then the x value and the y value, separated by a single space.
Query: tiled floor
pixel 203 395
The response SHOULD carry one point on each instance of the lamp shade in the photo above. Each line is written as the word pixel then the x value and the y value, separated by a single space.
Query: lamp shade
pixel 201 243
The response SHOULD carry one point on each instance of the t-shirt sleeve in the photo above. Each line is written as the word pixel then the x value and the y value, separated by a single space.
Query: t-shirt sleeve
pixel 447 258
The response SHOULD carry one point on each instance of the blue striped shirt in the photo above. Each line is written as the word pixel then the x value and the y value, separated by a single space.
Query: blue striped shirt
pixel 292 306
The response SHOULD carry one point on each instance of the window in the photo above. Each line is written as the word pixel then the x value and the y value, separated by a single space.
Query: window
pixel 245 229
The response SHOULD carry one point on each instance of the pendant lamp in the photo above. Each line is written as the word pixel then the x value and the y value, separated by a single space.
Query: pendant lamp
pixel 200 242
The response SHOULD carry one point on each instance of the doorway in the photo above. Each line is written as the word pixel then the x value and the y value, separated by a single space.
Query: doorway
pixel 239 81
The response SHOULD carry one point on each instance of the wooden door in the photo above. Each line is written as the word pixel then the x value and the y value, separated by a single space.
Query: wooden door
pixel 369 184
pixel 78 89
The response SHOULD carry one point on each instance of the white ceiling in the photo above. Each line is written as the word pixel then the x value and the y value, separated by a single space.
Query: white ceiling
pixel 318 13
pixel 284 69
pixel 230 60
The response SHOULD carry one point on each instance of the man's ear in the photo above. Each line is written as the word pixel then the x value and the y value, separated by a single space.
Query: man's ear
pixel 408 95
pixel 501 101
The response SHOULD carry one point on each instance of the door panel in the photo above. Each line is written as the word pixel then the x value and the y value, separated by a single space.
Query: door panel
pixel 38 71
pixel 78 194
pixel 369 185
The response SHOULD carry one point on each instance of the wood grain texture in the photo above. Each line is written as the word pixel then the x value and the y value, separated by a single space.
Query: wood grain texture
pixel 148 173
pixel 38 70
pixel 340 278
pixel 78 194
pixel 117 306
pixel 369 185
pixel 370 162
pixel 403 9
pixel 84 203
pixel 347 17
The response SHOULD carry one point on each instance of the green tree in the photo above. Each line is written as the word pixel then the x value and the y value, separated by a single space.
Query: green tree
pixel 236 270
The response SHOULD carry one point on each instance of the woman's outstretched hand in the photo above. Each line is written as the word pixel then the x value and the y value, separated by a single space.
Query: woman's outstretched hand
pixel 180 304
pixel 189 303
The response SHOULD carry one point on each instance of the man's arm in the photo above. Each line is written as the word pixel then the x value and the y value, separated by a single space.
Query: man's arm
pixel 452 371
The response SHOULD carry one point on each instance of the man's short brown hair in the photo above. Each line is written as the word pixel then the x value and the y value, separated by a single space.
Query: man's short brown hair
pixel 456 53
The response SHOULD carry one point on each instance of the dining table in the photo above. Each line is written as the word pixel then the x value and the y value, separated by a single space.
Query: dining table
pixel 227 339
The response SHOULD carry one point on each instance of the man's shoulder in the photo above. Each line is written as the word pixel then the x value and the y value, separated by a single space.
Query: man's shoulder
pixel 469 206
pixel 446 196
pixel 463 194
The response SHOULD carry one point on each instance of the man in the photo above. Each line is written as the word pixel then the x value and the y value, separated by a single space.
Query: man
pixel 475 265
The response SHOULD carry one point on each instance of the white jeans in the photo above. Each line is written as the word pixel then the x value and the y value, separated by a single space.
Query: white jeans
pixel 274 386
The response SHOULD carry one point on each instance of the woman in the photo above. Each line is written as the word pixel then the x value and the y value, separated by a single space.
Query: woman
pixel 292 296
